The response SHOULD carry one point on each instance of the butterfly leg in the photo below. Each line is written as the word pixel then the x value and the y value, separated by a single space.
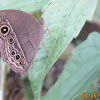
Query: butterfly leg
pixel 49 33
pixel 44 46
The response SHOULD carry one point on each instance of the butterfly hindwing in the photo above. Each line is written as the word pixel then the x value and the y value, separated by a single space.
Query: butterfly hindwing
pixel 20 44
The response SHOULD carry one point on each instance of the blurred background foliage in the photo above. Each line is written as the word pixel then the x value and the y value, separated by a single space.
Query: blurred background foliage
pixel 56 70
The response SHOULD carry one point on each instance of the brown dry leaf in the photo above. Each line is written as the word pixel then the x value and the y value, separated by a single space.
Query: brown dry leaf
pixel 89 27
pixel 66 54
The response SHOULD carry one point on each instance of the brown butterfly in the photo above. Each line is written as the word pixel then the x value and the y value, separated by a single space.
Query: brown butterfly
pixel 20 36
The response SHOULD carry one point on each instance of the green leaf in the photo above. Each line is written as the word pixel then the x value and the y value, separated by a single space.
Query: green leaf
pixel 24 5
pixel 97 11
pixel 28 95
pixel 80 70
pixel 64 19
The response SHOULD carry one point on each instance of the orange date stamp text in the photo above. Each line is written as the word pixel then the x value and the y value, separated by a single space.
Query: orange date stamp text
pixel 90 95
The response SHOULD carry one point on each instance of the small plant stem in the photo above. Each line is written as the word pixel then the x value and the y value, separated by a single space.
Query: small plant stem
pixel 2 79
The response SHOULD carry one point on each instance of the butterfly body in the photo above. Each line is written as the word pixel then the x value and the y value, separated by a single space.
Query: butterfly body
pixel 20 36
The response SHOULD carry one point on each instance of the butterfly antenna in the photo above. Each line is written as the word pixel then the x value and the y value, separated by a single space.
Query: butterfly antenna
pixel 46 8
pixel 37 9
